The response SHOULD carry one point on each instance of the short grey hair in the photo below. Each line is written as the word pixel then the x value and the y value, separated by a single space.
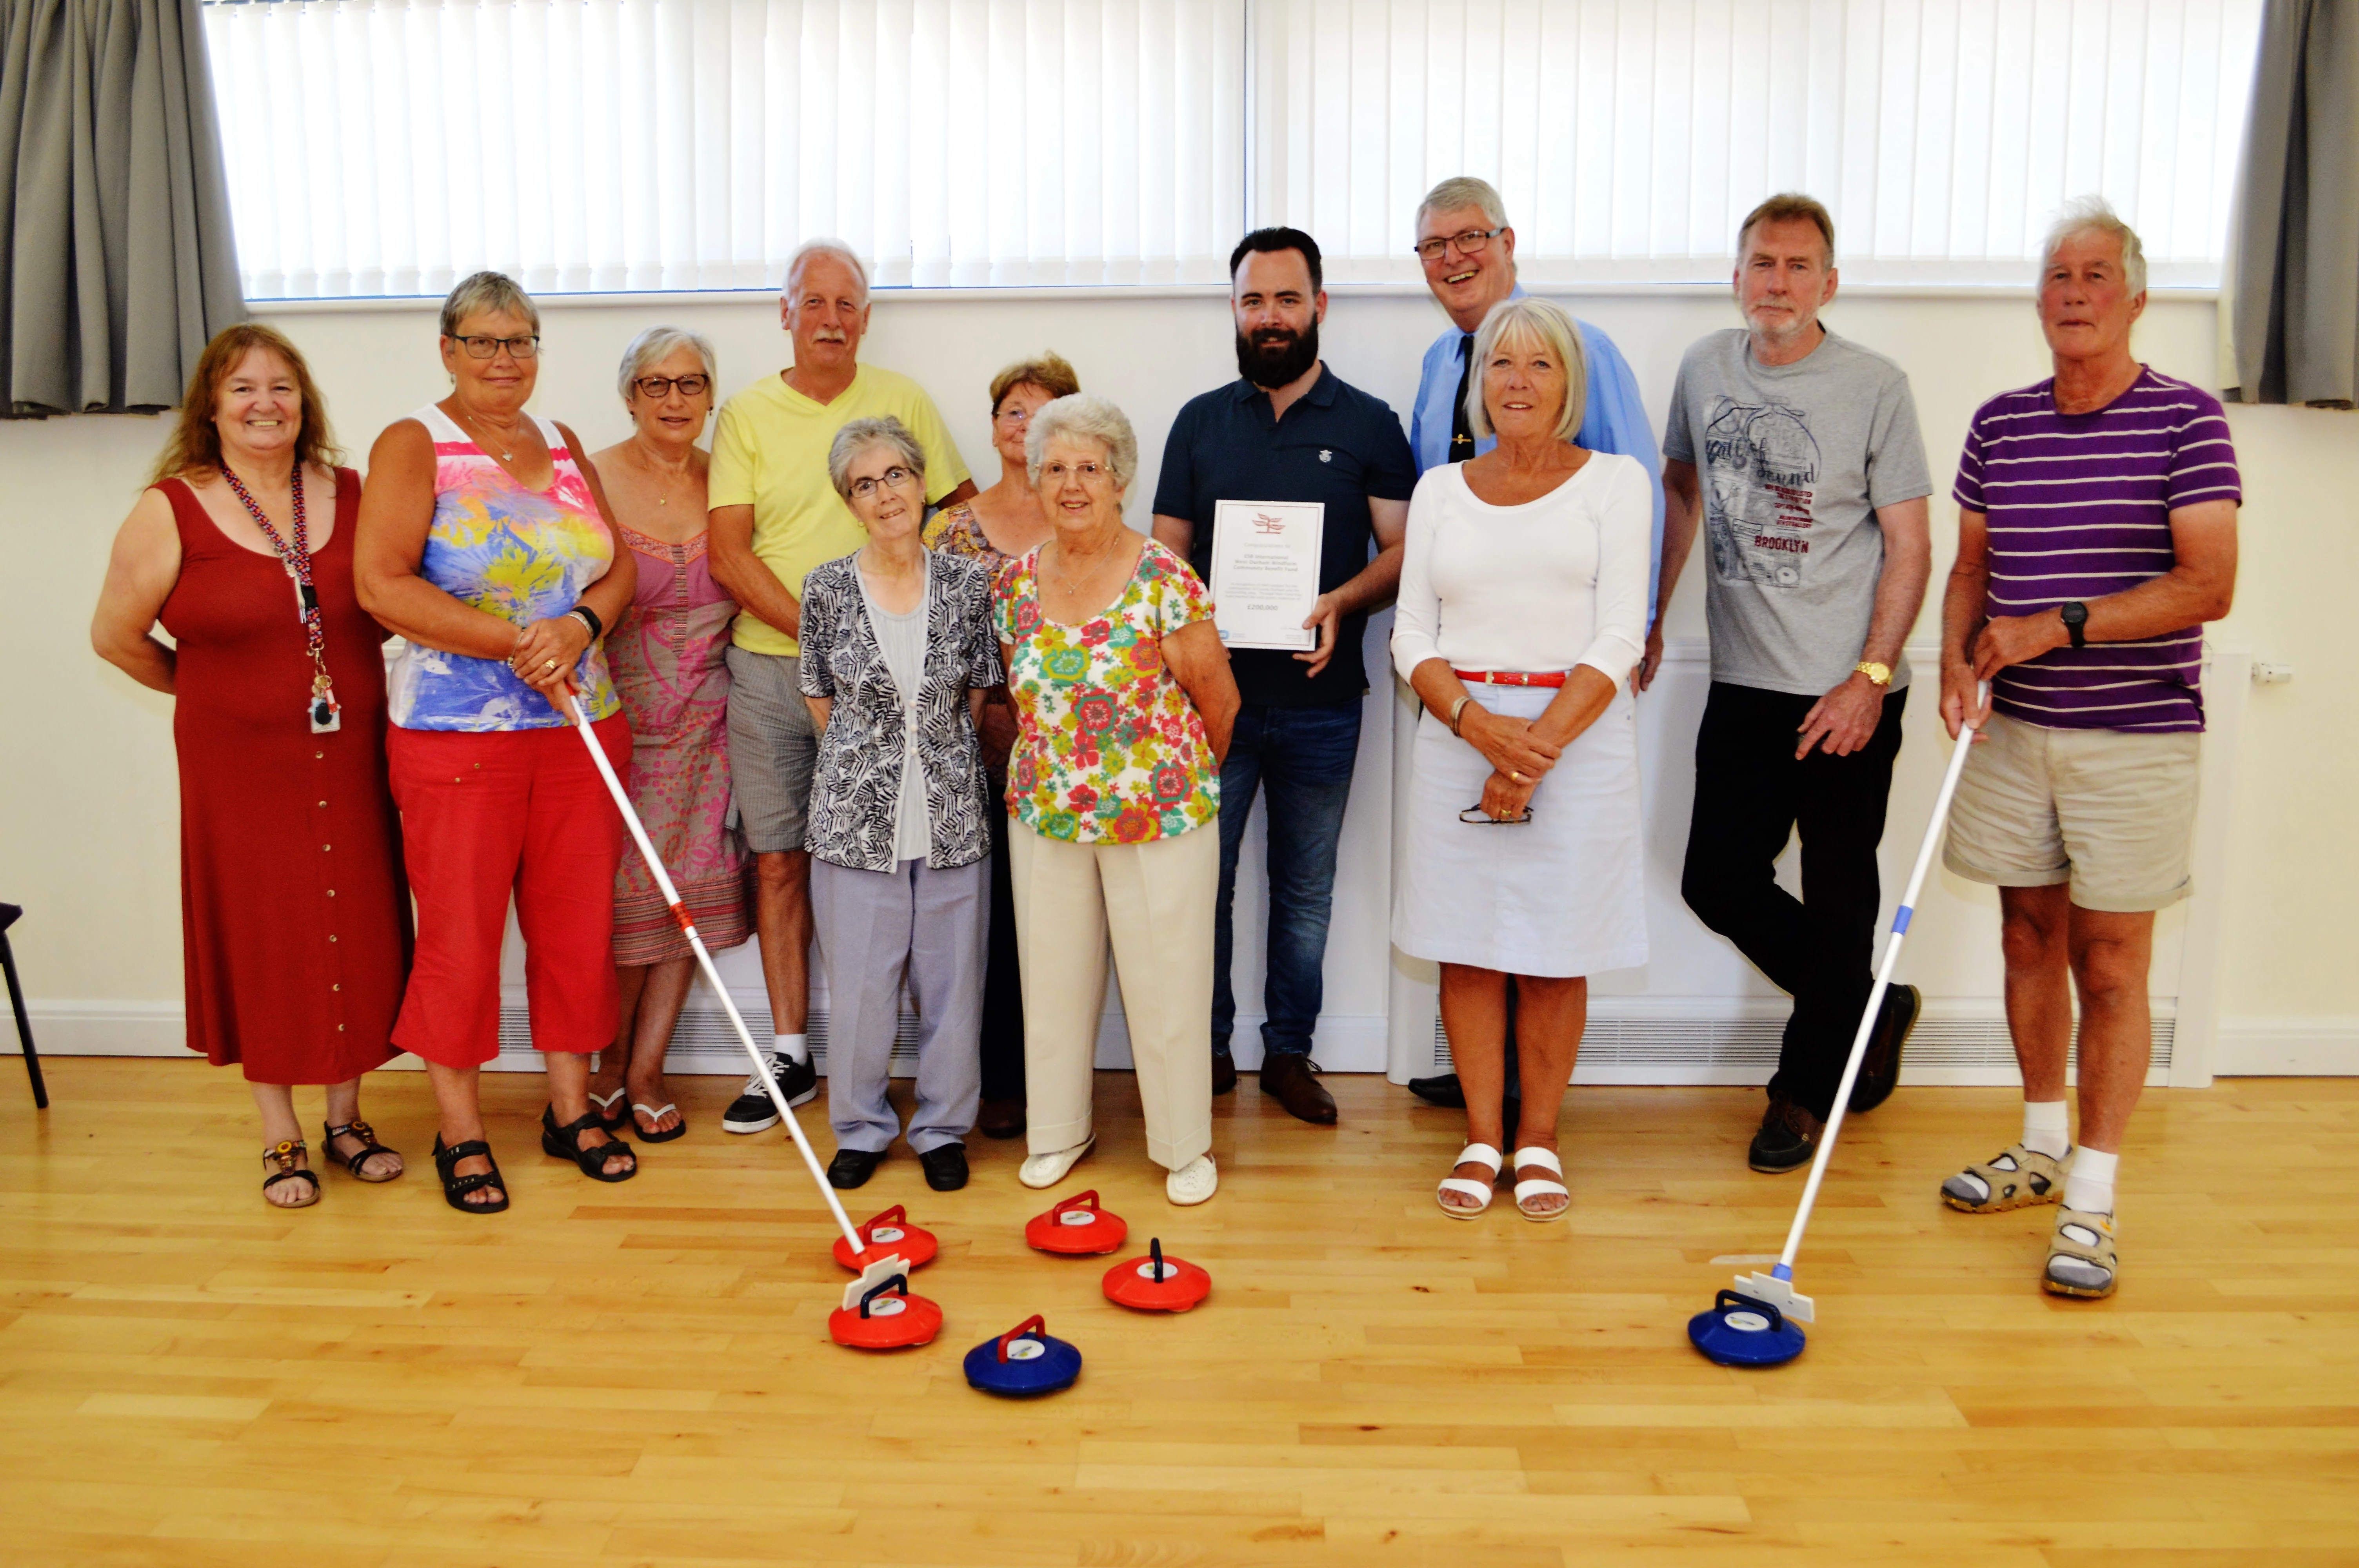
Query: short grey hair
pixel 858 435
pixel 1465 191
pixel 660 343
pixel 1087 417
pixel 1529 320
pixel 810 251
pixel 482 292
pixel 2095 215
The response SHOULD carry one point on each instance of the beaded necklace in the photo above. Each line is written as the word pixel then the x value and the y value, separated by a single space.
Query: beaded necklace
pixel 326 715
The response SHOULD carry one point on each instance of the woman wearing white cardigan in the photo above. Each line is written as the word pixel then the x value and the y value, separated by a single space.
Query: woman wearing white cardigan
pixel 1523 607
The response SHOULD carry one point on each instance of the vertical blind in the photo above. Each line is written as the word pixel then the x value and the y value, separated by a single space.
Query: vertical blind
pixel 390 146
pixel 1630 137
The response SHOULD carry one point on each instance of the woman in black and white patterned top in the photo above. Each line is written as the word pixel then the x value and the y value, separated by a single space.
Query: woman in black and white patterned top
pixel 898 650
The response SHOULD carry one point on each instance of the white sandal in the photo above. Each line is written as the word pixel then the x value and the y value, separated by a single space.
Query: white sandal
pixel 1538 1186
pixel 1472 1154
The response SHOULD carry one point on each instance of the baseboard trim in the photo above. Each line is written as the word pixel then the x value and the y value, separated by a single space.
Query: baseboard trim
pixel 1632 1039
pixel 2287 1047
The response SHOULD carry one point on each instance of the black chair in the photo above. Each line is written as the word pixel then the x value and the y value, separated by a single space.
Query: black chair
pixel 8 913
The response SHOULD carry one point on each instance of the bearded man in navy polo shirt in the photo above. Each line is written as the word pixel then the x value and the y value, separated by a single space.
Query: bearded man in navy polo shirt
pixel 1290 429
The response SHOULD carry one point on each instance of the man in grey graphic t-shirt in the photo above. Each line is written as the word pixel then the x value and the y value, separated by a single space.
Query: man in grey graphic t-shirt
pixel 1797 452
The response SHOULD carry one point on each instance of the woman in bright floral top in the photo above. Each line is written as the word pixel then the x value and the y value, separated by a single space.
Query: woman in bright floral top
pixel 1124 701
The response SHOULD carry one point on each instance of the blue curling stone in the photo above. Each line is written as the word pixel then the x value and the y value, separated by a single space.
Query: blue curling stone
pixel 1023 1362
pixel 1742 1331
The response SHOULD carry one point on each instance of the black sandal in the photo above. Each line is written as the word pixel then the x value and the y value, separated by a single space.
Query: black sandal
pixel 456 1188
pixel 284 1155
pixel 565 1143
pixel 361 1129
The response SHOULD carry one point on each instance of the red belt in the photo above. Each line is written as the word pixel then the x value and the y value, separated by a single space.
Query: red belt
pixel 1512 677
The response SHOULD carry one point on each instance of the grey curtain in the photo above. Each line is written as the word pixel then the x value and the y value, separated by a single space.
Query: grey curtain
pixel 116 260
pixel 2292 300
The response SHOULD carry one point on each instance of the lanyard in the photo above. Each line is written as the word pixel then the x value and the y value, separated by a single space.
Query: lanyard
pixel 322 708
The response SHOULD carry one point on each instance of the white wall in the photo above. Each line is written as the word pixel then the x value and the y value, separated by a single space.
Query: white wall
pixel 87 807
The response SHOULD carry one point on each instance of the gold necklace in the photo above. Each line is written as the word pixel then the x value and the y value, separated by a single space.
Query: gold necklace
pixel 686 471
pixel 1073 585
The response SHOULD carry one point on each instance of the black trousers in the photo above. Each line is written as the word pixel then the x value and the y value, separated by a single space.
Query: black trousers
pixel 1003 986
pixel 1751 797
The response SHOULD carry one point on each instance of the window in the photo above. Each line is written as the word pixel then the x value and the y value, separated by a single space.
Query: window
pixel 390 146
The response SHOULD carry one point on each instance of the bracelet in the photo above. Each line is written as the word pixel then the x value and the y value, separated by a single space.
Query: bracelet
pixel 589 617
pixel 1456 708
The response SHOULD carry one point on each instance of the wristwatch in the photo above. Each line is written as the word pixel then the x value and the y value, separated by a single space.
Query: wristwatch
pixel 1877 675
pixel 2076 620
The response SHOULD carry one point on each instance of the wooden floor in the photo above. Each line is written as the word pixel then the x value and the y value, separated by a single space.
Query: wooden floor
pixel 640 1374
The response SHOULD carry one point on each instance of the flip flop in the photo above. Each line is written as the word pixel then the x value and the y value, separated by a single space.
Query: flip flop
pixel 655 1113
pixel 608 1117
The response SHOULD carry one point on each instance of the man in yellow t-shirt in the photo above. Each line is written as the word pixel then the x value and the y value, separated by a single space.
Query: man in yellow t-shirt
pixel 775 516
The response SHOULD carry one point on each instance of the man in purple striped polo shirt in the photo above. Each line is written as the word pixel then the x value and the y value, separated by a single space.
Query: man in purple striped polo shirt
pixel 2096 534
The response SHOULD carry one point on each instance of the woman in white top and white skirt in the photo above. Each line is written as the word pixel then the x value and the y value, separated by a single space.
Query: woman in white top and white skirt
pixel 1523 608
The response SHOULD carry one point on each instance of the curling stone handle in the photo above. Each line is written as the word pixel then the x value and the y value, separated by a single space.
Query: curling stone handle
pixel 1078 1200
pixel 899 1284
pixel 1155 1251
pixel 1727 1298
pixel 1034 1321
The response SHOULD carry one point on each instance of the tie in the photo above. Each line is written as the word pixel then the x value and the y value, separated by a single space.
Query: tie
pixel 1461 435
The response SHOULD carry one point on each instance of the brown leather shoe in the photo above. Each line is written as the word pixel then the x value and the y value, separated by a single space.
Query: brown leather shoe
pixel 1000 1118
pixel 1879 1069
pixel 1789 1138
pixel 1289 1077
pixel 1225 1072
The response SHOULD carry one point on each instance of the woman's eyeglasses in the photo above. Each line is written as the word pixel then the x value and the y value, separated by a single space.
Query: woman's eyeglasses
pixel 479 347
pixel 1475 816
pixel 1014 416
pixel 654 386
pixel 895 476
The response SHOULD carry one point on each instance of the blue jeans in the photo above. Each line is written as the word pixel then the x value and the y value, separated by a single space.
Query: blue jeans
pixel 1301 758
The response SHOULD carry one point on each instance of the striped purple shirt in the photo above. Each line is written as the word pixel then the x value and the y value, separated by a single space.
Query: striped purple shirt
pixel 2079 507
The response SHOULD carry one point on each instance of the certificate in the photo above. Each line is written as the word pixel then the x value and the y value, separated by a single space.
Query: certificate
pixel 1265 572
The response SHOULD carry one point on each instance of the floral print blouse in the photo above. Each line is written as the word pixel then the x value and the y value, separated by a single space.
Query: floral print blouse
pixel 1109 749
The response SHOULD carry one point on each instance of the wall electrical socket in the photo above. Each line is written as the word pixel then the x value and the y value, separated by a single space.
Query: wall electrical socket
pixel 2267 673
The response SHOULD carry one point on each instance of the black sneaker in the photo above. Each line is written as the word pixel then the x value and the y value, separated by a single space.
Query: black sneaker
pixel 1879 1070
pixel 945 1167
pixel 752 1110
pixel 1789 1136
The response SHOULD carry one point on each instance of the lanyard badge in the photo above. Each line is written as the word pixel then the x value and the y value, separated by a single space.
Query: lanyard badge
pixel 320 709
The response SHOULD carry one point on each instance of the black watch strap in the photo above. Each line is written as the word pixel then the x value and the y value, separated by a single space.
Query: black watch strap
pixel 2076 622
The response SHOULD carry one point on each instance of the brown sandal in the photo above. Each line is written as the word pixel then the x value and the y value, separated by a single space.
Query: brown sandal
pixel 284 1154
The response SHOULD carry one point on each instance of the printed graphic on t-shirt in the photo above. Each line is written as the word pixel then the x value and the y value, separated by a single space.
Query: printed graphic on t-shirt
pixel 1760 471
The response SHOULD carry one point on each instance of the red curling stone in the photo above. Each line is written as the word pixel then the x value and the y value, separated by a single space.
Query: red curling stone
pixel 1156 1283
pixel 890 1234
pixel 885 1316
pixel 1076 1228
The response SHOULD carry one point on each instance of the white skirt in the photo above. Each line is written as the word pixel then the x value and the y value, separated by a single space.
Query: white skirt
pixel 1561 895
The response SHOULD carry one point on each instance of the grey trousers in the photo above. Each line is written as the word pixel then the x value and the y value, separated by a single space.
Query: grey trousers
pixel 870 925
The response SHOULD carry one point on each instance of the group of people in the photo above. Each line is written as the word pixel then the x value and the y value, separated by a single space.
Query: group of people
pixel 967 738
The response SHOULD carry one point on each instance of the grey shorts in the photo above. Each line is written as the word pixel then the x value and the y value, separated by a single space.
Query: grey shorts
pixel 2110 813
pixel 773 748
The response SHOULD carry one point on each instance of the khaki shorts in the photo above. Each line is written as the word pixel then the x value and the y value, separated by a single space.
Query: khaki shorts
pixel 773 748
pixel 2110 813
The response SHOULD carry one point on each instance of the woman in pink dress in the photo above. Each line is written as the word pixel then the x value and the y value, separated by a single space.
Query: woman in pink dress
pixel 667 658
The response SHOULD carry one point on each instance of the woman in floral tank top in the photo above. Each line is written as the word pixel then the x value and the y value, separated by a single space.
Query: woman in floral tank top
pixel 1124 705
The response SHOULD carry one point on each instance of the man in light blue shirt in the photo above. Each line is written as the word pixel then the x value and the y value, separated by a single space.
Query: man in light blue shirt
pixel 1468 252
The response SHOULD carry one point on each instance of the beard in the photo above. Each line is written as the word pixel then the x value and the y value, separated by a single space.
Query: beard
pixel 1270 360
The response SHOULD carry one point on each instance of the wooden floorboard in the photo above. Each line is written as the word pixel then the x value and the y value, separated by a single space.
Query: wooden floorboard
pixel 640 1373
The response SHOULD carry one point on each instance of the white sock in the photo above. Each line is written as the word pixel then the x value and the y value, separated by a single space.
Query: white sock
pixel 2090 1187
pixel 796 1047
pixel 2045 1129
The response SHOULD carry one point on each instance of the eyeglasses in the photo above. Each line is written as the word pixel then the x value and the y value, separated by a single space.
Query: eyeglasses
pixel 1087 472
pixel 661 385
pixel 1475 816
pixel 1014 416
pixel 896 476
pixel 1471 243
pixel 483 348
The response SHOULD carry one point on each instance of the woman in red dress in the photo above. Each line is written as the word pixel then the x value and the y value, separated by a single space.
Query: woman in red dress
pixel 295 917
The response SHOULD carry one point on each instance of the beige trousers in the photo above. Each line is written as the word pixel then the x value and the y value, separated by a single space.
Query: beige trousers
pixel 1155 900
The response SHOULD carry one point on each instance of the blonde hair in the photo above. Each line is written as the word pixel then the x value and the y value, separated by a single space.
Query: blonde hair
pixel 1049 371
pixel 1529 320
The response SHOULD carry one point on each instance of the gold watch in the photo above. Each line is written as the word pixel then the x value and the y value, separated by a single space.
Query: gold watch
pixel 1877 675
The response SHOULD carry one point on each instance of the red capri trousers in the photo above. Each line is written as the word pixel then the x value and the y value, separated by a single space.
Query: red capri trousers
pixel 483 815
